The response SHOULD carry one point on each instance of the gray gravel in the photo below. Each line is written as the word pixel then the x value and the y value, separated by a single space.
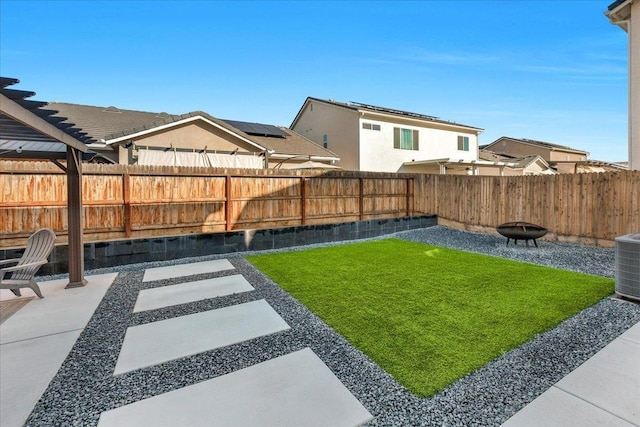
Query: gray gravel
pixel 84 385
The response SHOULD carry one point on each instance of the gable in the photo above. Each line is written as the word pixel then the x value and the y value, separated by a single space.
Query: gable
pixel 194 135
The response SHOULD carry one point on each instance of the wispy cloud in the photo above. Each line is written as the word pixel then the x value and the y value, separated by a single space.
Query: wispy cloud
pixel 421 55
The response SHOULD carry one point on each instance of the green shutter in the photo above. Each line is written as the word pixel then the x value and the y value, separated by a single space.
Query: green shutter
pixel 466 143
pixel 396 137
pixel 415 139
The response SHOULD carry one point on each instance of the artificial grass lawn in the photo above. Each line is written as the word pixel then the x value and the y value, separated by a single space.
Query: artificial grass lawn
pixel 430 315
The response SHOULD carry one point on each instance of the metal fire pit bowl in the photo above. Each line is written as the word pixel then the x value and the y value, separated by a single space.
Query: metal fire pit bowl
pixel 520 230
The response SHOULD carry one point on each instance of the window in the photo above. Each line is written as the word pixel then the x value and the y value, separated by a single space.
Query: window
pixel 370 126
pixel 405 139
pixel 325 140
pixel 463 143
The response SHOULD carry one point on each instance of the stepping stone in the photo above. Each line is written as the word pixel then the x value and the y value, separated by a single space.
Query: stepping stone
pixel 297 389
pixel 173 271
pixel 159 342
pixel 166 296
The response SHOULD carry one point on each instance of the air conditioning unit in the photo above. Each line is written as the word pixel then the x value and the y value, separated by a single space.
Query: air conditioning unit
pixel 628 266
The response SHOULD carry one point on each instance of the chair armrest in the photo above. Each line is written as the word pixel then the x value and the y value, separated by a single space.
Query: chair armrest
pixel 8 261
pixel 23 266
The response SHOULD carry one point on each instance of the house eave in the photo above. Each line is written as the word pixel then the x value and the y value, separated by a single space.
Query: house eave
pixel 620 14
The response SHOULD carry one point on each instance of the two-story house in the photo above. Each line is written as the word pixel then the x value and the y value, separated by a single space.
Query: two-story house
pixel 626 15
pixel 370 138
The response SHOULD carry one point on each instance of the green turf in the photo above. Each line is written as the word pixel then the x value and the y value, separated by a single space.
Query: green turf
pixel 430 315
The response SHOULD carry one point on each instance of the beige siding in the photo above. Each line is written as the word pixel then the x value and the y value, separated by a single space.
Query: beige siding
pixel 517 149
pixel 634 87
pixel 339 124
pixel 194 135
pixel 564 156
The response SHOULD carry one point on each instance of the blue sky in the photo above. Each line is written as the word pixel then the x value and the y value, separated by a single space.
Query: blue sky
pixel 554 70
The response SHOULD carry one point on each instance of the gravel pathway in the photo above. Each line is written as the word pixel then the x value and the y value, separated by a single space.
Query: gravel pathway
pixel 84 386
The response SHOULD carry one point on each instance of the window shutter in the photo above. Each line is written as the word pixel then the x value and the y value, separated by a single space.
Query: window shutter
pixel 460 143
pixel 396 137
pixel 415 139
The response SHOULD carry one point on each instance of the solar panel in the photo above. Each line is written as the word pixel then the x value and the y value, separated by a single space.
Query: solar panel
pixel 257 129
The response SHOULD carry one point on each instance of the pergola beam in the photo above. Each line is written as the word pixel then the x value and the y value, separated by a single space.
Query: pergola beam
pixel 20 114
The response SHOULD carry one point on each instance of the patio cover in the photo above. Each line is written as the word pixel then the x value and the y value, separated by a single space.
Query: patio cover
pixel 28 132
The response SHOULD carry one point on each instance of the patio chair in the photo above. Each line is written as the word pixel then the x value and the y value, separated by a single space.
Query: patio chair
pixel 39 246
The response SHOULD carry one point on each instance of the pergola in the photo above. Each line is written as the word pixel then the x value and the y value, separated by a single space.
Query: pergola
pixel 28 132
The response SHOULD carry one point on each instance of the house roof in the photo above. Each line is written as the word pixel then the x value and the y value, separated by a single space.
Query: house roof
pixel 29 131
pixel 519 162
pixel 547 145
pixel 616 3
pixel 357 106
pixel 114 125
pixel 619 13
pixel 104 123
pixel 291 143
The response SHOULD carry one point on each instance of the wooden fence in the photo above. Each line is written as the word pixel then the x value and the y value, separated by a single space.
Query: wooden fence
pixel 589 206
pixel 131 201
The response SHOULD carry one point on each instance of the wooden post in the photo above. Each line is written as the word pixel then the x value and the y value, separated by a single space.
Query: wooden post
pixel 227 207
pixel 409 194
pixel 361 201
pixel 126 196
pixel 303 196
pixel 75 223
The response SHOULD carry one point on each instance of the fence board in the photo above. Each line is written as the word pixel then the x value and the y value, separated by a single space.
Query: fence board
pixel 167 201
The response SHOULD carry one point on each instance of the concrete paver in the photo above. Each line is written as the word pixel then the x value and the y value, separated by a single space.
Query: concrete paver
pixel 150 299
pixel 183 270
pixel 164 340
pixel 297 389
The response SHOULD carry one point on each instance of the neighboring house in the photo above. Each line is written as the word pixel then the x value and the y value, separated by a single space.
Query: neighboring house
pixel 561 158
pixel 527 165
pixel 192 139
pixel 626 15
pixel 370 138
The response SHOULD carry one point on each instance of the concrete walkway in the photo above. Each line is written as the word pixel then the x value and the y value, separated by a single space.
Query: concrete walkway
pixel 603 391
pixel 290 390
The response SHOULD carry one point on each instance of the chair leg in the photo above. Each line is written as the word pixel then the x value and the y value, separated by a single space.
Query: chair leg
pixel 16 292
pixel 35 288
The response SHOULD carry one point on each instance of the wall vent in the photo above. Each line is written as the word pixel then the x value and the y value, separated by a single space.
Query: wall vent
pixel 628 266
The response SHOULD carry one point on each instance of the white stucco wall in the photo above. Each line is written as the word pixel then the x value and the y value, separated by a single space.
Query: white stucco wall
pixel 634 87
pixel 377 152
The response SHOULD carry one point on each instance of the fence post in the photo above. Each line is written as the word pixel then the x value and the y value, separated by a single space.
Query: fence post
pixel 126 196
pixel 303 196
pixel 227 205
pixel 361 201
pixel 409 194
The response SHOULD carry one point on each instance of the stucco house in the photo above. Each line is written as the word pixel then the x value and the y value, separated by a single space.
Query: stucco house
pixel 371 138
pixel 532 164
pixel 626 15
pixel 560 157
pixel 192 139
